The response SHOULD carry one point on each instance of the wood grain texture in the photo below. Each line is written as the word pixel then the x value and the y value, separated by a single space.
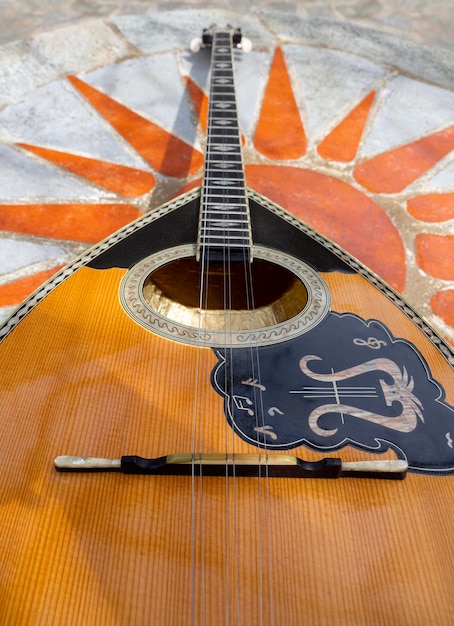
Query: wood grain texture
pixel 110 549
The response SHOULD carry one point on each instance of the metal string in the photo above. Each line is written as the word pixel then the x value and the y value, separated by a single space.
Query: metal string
pixel 264 529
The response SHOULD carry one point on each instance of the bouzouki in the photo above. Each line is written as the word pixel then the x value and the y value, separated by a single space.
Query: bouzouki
pixel 206 419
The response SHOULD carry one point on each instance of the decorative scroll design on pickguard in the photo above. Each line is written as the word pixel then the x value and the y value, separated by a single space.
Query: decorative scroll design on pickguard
pixel 136 306
pixel 347 382
pixel 400 390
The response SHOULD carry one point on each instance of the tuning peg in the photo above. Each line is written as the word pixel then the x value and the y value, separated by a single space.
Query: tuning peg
pixel 246 44
pixel 195 44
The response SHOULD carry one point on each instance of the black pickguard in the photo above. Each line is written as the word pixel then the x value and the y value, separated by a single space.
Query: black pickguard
pixel 346 382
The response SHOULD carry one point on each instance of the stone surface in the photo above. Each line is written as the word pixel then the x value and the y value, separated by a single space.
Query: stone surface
pixel 347 79
pixel 28 64
pixel 425 21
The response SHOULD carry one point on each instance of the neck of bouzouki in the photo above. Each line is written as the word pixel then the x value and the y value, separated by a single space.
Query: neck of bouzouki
pixel 224 227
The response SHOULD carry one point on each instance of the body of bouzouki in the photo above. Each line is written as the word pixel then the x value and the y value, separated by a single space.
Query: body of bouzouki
pixel 97 363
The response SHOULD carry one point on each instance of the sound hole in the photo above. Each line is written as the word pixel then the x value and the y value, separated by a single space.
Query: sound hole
pixel 277 298
pixel 258 295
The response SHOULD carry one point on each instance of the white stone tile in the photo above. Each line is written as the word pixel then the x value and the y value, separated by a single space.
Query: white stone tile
pixel 5 312
pixel 196 65
pixel 25 178
pixel 151 86
pixel 430 63
pixel 251 76
pixel 16 254
pixel 174 30
pixel 57 117
pixel 330 83
pixel 440 181
pixel 31 63
pixel 409 110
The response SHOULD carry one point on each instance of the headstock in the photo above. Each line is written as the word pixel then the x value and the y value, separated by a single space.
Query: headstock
pixel 208 33
pixel 206 40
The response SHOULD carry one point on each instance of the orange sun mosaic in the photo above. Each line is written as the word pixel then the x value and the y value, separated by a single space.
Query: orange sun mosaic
pixel 337 197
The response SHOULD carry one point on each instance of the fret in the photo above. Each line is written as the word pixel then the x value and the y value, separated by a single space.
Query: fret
pixel 224 222
pixel 224 140
pixel 232 169
pixel 234 197
pixel 235 209
pixel 233 179
pixel 217 198
pixel 226 216
pixel 223 228
pixel 225 95
pixel 224 238
pixel 229 114
pixel 217 135
pixel 234 157
pixel 225 123
pixel 224 219
pixel 220 249
pixel 235 184
pixel 224 182
pixel 225 201
pixel 225 195
pixel 224 131
pixel 231 225
pixel 232 172
pixel 223 92
pixel 230 234
pixel 225 147
pixel 228 209
pixel 228 97
pixel 227 213
pixel 220 233
pixel 232 165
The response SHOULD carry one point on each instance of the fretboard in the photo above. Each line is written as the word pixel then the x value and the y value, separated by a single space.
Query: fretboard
pixel 224 229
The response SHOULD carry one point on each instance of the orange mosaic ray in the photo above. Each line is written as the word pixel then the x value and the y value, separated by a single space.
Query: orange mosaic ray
pixel 126 181
pixel 433 207
pixel 280 133
pixel 442 304
pixel 340 212
pixel 342 143
pixel 15 292
pixel 392 171
pixel 435 255
pixel 78 222
pixel 200 101
pixel 164 152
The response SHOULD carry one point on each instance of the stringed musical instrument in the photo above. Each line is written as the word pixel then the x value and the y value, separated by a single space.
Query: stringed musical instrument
pixel 205 419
